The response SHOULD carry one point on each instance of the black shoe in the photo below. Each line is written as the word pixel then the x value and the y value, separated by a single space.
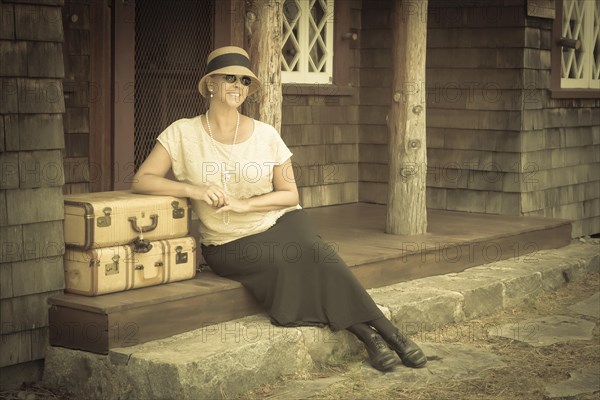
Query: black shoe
pixel 380 356
pixel 408 351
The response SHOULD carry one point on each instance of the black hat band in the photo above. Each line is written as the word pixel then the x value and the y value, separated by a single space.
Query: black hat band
pixel 227 60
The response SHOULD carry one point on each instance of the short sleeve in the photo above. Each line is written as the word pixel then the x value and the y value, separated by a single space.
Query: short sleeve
pixel 171 140
pixel 282 152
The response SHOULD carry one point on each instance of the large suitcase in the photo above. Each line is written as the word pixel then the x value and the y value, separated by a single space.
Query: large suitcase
pixel 103 219
pixel 113 269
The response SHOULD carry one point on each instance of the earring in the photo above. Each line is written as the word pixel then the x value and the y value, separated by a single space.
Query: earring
pixel 211 95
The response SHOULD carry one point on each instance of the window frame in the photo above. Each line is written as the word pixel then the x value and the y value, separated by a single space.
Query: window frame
pixel 557 90
pixel 345 43
pixel 304 76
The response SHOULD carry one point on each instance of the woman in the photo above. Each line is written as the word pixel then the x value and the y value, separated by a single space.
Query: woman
pixel 237 173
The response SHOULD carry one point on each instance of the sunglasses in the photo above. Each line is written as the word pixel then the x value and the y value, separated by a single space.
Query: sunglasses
pixel 244 80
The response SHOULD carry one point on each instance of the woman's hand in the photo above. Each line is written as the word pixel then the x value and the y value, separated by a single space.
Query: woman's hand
pixel 235 205
pixel 212 195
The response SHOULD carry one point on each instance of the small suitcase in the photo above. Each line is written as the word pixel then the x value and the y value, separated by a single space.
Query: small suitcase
pixel 103 219
pixel 113 269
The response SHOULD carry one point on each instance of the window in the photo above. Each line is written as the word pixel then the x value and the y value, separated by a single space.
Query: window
pixel 580 67
pixel 307 52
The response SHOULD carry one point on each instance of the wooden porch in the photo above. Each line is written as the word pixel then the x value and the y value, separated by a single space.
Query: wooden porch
pixel 455 241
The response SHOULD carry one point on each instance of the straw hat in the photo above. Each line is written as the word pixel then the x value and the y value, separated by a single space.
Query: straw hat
pixel 231 60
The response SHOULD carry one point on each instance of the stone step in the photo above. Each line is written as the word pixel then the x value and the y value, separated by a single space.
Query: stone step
pixel 230 358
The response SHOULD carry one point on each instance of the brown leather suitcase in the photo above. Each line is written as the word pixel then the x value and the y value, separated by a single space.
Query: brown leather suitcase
pixel 112 269
pixel 104 219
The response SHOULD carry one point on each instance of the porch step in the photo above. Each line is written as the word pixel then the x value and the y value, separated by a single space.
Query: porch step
pixel 225 360
pixel 100 323
pixel 455 241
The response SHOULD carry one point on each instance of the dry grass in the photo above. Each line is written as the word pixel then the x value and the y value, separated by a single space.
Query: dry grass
pixel 36 392
pixel 528 369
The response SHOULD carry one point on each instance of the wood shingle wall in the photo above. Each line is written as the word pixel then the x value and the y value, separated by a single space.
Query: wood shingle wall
pixel 497 143
pixel 475 95
pixel 31 165
pixel 322 133
pixel 375 98
pixel 560 143
pixel 320 124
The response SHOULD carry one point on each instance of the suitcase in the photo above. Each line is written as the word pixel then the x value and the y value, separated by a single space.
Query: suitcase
pixel 112 269
pixel 103 219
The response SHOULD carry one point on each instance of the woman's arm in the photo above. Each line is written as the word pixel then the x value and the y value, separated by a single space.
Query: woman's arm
pixel 284 194
pixel 150 179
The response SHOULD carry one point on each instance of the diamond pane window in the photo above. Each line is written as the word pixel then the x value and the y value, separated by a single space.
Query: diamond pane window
pixel 580 67
pixel 596 45
pixel 307 41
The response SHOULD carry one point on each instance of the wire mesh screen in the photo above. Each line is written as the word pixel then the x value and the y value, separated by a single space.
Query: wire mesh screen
pixel 172 42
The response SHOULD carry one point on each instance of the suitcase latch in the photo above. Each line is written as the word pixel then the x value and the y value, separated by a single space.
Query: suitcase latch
pixel 141 245
pixel 178 212
pixel 112 269
pixel 180 257
pixel 104 221
pixel 159 264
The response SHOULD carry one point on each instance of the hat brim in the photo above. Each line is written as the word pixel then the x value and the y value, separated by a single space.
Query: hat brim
pixel 230 70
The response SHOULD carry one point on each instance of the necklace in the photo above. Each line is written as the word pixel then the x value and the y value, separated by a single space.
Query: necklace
pixel 225 172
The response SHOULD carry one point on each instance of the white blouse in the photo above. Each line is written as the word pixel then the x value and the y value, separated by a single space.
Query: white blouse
pixel 195 161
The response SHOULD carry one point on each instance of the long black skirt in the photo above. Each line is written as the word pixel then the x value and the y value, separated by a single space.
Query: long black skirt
pixel 298 279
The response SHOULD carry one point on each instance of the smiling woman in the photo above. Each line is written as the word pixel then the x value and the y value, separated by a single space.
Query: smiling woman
pixel 236 171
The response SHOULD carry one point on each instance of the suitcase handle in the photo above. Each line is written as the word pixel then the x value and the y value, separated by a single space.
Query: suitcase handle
pixel 144 229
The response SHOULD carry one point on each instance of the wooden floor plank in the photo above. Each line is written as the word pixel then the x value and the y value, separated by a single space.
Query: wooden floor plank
pixel 357 230
pixel 203 284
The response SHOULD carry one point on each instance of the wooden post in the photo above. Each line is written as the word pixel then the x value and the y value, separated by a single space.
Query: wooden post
pixel 229 19
pixel 123 88
pixel 100 143
pixel 406 209
pixel 263 25
pixel 238 8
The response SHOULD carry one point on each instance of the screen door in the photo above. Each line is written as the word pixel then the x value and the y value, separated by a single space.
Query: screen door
pixel 172 41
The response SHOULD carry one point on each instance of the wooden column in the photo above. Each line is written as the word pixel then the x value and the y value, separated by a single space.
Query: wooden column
pixel 238 8
pixel 229 22
pixel 264 19
pixel 406 211
pixel 123 94
pixel 100 144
